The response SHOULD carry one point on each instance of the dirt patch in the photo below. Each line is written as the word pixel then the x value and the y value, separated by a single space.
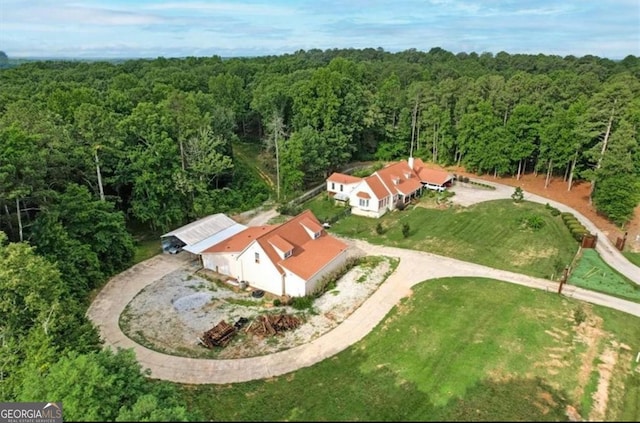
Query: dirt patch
pixel 530 255
pixel 170 314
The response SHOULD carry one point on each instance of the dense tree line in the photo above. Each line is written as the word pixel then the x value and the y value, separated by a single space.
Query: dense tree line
pixel 87 148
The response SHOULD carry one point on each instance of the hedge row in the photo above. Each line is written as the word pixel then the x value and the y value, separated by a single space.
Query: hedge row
pixel 577 229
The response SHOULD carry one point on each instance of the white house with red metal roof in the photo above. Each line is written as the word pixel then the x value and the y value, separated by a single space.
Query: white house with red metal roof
pixel 287 259
pixel 340 185
pixel 395 183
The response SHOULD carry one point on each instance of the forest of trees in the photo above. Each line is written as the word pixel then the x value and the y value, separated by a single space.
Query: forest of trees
pixel 91 149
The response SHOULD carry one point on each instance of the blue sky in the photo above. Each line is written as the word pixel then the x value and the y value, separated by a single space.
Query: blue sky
pixel 172 28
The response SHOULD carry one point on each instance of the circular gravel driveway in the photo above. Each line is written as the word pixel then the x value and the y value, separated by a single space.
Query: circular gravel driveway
pixel 414 267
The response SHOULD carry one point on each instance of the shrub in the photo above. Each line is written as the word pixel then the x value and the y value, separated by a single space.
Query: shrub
pixel 400 205
pixel 379 228
pixel 517 195
pixel 535 222
pixel 555 212
pixel 406 229
pixel 579 315
pixel 289 209
pixel 302 303
pixel 277 302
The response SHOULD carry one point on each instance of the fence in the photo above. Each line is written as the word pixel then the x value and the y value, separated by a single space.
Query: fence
pixel 589 241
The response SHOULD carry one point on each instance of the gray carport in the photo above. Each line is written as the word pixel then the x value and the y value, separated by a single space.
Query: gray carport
pixel 193 236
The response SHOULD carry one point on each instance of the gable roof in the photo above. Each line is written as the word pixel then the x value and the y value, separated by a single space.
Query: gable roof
pixel 399 177
pixel 309 254
pixel 240 241
pixel 214 239
pixel 341 178
pixel 202 228
pixel 377 186
pixel 430 175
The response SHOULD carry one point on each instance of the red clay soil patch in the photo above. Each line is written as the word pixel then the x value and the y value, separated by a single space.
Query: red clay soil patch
pixel 577 198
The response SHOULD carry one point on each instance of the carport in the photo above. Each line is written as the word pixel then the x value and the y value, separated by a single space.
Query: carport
pixel 197 236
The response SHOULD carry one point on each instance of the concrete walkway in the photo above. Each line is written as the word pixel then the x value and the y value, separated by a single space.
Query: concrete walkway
pixel 414 267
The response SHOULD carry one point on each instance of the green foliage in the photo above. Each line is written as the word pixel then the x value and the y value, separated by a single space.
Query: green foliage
pixel 617 197
pixel 554 211
pixel 579 315
pixel 90 222
pixel 406 230
pixel 517 195
pixel 30 286
pixel 101 386
pixel 289 209
pixel 534 222
pixel 379 229
pixel 302 303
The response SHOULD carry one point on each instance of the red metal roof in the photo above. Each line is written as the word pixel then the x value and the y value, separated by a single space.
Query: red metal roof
pixel 341 178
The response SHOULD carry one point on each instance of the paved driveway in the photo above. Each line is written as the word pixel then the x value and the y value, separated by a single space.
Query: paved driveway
pixel 467 195
pixel 414 267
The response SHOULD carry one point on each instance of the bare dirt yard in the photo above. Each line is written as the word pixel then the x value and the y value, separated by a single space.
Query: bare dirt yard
pixel 171 314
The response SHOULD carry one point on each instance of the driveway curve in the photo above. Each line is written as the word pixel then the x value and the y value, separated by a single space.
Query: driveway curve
pixel 414 267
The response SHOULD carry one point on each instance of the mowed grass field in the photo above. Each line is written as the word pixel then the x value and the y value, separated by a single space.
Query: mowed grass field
pixel 458 349
pixel 491 233
pixel 593 273
pixel 633 258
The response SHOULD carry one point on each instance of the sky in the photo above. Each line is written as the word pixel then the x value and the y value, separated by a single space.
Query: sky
pixel 231 28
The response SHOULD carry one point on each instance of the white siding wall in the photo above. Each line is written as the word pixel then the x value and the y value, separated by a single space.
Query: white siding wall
pixel 263 275
pixel 224 263
pixel 370 210
pixel 335 187
pixel 294 284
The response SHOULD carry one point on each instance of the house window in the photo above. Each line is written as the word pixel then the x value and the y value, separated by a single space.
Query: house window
pixel 316 235
pixel 257 257
pixel 341 187
pixel 333 185
pixel 364 203
pixel 288 253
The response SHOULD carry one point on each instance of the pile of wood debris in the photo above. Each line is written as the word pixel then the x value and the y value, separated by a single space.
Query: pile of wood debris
pixel 218 336
pixel 273 324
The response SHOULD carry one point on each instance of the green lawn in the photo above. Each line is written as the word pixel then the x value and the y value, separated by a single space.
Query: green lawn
pixel 593 273
pixel 493 233
pixel 458 349
pixel 323 207
pixel 633 258
pixel 145 249
pixel 146 241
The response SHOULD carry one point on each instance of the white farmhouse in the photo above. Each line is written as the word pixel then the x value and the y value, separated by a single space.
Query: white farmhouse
pixel 287 259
